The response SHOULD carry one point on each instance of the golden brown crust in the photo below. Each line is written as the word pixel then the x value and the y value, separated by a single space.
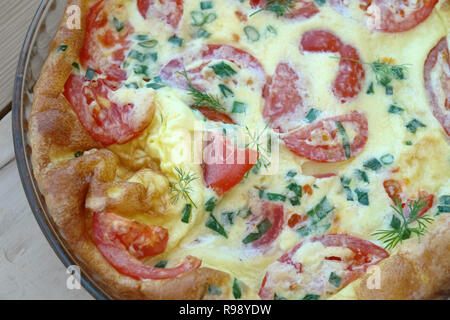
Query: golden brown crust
pixel 417 270
pixel 55 131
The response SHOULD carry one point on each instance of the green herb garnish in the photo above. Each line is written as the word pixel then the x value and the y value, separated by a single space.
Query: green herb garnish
pixel 251 33
pixel 373 164
pixel 345 139
pixel 414 124
pixel 118 25
pixel 335 280
pixel 182 187
pixel 363 196
pixel 223 70
pixel 312 115
pixel 186 214
pixel 161 264
pixel 214 225
pixel 237 291
pixel 202 99
pixel 401 224
pixel 279 7
pixel 262 227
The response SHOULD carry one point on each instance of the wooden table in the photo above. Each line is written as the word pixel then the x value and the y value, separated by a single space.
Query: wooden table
pixel 29 269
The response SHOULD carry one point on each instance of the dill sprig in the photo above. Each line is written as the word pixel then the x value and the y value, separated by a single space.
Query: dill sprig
pixel 182 187
pixel 400 226
pixel 202 99
pixel 279 7
pixel 256 143
pixel 384 72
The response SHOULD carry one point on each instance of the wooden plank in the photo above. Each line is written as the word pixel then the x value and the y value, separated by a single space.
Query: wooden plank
pixel 29 269
pixel 15 18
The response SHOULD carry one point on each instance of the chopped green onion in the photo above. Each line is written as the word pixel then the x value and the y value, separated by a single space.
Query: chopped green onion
pixel 272 30
pixel 291 174
pixel 389 90
pixel 155 86
pixel 186 214
pixel 78 154
pixel 297 189
pixel 141 69
pixel 76 66
pixel 395 110
pixel 161 264
pixel 176 41
pixel 205 5
pixel 275 197
pixel 370 90
pixel 387 159
pixel 345 181
pixel 263 227
pixel 223 70
pixel 90 73
pixel 320 2
pixel 295 201
pixel 237 291
pixel 312 115
pixel 251 33
pixel 238 107
pixel 132 85
pixel 345 139
pixel 142 37
pixel 321 210
pixel 408 143
pixel 361 175
pixel 348 193
pixel 229 216
pixel 214 225
pixel 210 204
pixel 118 25
pixel 414 124
pixel 444 200
pixel 311 297
pixel 373 164
pixel 363 197
pixel 226 92
pixel 148 44
pixel 335 280
pixel 202 33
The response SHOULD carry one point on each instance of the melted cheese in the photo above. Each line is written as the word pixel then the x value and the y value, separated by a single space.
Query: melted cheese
pixel 170 139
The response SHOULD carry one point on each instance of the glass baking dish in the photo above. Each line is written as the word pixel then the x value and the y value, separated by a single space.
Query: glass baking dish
pixel 32 58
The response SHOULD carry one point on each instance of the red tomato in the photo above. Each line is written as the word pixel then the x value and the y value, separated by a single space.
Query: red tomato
pixel 272 211
pixel 171 13
pixel 392 15
pixel 303 8
pixel 225 165
pixel 365 252
pixel 321 141
pixel 106 121
pixel 283 98
pixel 437 83
pixel 170 72
pixel 394 189
pixel 122 242
pixel 215 115
pixel 348 82
pixel 100 36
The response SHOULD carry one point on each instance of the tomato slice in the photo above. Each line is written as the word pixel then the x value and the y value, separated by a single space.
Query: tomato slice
pixel 274 213
pixel 215 115
pixel 348 82
pixel 122 242
pixel 303 9
pixel 392 16
pixel 171 12
pixel 224 164
pixel 437 83
pixel 322 142
pixel 286 270
pixel 394 189
pixel 106 121
pixel 101 37
pixel 170 72
pixel 283 98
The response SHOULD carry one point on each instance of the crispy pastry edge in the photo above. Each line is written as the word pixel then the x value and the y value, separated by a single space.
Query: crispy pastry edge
pixel 419 269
